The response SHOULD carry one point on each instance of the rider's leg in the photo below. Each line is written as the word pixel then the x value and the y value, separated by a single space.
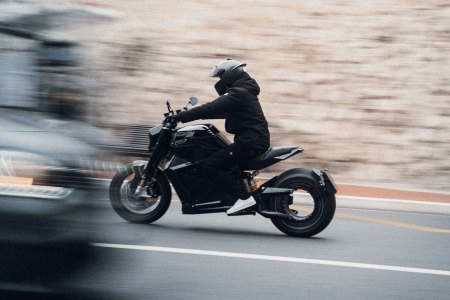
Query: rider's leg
pixel 219 167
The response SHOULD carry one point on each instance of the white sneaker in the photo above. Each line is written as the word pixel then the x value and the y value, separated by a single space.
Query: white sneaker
pixel 241 204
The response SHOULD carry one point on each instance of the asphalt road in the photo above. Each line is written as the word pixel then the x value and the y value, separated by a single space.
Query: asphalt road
pixel 362 255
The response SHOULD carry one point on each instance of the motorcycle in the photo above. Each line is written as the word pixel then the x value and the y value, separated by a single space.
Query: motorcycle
pixel 300 202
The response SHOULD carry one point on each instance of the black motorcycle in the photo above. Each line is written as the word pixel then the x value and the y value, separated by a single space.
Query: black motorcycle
pixel 299 202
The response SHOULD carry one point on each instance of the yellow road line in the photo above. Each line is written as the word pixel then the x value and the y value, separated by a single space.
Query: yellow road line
pixel 392 223
pixel 378 221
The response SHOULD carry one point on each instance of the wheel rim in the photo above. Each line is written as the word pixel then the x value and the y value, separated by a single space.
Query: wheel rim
pixel 141 205
pixel 306 208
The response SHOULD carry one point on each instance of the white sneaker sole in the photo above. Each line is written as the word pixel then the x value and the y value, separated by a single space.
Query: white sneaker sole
pixel 241 207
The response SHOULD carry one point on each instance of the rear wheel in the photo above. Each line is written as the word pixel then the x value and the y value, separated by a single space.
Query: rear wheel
pixel 141 209
pixel 310 209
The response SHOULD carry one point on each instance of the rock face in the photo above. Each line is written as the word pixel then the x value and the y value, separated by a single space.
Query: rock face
pixel 363 86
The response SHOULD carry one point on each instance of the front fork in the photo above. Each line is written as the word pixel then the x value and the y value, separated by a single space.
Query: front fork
pixel 144 184
pixel 148 175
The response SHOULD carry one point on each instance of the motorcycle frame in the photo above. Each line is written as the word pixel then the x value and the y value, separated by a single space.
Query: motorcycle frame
pixel 161 160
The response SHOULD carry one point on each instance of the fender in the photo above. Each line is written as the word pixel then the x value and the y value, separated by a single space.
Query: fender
pixel 322 178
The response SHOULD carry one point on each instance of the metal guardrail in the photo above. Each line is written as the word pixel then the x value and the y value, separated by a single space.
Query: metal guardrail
pixel 132 141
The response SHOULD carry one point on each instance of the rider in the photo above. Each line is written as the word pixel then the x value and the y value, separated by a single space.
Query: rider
pixel 238 104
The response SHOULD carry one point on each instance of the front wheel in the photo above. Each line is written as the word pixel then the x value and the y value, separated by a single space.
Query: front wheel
pixel 310 209
pixel 142 209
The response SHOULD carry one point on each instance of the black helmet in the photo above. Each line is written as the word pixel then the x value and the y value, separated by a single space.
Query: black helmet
pixel 229 71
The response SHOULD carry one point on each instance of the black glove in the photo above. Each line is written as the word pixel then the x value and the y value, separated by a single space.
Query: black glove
pixel 173 120
pixel 179 117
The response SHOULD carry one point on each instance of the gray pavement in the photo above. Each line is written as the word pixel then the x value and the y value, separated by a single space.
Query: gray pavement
pixel 215 256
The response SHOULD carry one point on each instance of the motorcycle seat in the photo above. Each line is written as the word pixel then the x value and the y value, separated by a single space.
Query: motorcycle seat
pixel 270 157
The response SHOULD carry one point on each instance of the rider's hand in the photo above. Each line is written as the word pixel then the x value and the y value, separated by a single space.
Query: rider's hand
pixel 173 120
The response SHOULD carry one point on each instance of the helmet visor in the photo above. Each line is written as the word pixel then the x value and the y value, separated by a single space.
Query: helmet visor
pixel 216 72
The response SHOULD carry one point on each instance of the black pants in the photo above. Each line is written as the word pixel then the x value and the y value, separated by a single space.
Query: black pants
pixel 223 167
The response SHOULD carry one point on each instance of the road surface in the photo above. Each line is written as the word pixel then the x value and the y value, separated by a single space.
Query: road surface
pixel 363 254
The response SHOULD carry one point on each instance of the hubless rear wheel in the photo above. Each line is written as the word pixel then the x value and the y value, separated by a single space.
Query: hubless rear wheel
pixel 311 208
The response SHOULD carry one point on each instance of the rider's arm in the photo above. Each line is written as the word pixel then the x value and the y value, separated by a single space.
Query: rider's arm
pixel 215 109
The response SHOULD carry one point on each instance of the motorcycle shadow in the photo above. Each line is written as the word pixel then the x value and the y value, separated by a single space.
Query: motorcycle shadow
pixel 205 232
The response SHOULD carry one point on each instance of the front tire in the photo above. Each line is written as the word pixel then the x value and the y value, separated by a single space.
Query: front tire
pixel 142 210
pixel 310 210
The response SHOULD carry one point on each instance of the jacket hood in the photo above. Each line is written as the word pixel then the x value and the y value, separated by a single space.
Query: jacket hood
pixel 245 82
pixel 248 83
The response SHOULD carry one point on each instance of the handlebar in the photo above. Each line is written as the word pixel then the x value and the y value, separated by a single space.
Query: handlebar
pixel 169 121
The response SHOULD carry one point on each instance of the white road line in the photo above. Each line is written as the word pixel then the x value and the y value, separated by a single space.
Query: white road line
pixel 275 258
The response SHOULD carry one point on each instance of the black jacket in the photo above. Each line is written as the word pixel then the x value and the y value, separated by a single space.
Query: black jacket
pixel 242 112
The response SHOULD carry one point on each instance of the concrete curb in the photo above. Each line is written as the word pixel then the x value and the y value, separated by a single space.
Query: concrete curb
pixel 410 206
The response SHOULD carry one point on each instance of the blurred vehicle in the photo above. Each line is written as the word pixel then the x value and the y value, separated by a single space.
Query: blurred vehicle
pixel 47 204
pixel 48 154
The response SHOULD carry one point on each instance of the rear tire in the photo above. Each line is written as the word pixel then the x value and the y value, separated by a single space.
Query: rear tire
pixel 304 222
pixel 142 210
